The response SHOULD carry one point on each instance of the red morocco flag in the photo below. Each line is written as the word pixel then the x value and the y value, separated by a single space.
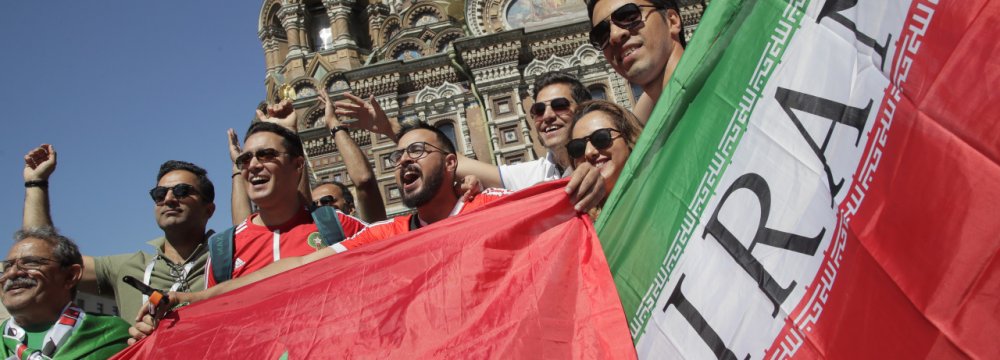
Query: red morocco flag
pixel 524 277
pixel 821 179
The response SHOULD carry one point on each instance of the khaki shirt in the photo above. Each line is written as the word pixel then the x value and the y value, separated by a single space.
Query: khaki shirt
pixel 111 269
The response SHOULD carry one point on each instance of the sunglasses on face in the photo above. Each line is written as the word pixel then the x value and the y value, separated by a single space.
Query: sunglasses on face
pixel 328 200
pixel 627 17
pixel 25 263
pixel 262 155
pixel 559 104
pixel 415 151
pixel 181 191
pixel 601 139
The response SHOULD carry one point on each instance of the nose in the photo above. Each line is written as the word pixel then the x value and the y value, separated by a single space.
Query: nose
pixel 254 164
pixel 169 197
pixel 591 153
pixel 618 36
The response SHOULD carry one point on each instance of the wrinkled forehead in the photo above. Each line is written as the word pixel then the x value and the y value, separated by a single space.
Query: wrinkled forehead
pixel 31 247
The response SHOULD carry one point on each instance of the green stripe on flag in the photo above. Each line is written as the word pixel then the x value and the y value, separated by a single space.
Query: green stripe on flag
pixel 688 143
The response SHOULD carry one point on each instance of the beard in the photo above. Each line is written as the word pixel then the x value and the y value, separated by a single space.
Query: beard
pixel 431 184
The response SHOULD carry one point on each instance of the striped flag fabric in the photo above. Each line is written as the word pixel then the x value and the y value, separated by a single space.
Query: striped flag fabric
pixel 819 180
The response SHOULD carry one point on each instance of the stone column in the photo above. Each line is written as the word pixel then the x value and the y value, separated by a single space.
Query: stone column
pixel 462 128
pixel 377 13
pixel 292 17
pixel 526 125
pixel 339 12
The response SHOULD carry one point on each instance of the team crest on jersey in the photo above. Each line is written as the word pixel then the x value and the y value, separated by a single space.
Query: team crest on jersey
pixel 316 241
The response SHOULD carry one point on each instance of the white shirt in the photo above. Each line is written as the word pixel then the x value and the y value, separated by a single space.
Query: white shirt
pixel 524 175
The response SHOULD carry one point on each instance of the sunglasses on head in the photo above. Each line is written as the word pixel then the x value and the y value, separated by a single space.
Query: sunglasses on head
pixel 327 200
pixel 601 139
pixel 558 104
pixel 180 191
pixel 415 151
pixel 627 17
pixel 263 155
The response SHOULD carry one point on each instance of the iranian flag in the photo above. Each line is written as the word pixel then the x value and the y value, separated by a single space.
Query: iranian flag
pixel 819 180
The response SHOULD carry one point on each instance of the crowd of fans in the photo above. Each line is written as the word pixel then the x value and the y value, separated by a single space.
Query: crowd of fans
pixel 587 141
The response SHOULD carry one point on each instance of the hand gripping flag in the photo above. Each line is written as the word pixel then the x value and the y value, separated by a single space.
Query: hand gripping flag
pixel 524 277
pixel 819 180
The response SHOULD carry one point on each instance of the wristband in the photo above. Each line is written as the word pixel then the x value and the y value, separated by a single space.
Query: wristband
pixel 44 184
pixel 234 174
pixel 335 129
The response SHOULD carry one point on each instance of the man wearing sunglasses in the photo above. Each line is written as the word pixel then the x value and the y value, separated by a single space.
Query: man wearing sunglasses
pixel 641 40
pixel 334 193
pixel 183 201
pixel 273 165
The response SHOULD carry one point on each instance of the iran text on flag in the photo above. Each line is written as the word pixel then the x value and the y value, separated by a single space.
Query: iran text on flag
pixel 522 278
pixel 819 180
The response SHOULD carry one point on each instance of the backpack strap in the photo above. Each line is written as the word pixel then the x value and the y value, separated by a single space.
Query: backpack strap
pixel 328 225
pixel 220 250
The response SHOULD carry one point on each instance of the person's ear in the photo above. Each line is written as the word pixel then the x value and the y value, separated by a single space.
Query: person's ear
pixel 674 23
pixel 451 162
pixel 74 276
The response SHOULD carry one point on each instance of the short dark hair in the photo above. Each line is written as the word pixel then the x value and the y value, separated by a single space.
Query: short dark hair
pixel 289 139
pixel 441 137
pixel 348 197
pixel 660 4
pixel 64 250
pixel 580 93
pixel 205 186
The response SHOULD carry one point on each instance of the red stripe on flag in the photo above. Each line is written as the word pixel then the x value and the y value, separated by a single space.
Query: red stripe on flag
pixel 920 272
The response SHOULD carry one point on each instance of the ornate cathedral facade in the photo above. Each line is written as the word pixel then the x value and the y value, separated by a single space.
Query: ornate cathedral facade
pixel 464 67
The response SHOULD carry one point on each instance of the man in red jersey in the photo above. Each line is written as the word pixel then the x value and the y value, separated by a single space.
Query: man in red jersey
pixel 273 163
pixel 425 171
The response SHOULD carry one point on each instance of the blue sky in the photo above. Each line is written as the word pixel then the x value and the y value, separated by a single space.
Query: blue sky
pixel 118 87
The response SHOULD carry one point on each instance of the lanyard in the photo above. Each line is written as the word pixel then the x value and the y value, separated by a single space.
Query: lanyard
pixel 177 281
pixel 276 246
pixel 68 321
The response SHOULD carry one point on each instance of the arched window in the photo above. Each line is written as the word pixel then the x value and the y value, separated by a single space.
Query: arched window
pixel 598 92
pixel 320 35
pixel 448 129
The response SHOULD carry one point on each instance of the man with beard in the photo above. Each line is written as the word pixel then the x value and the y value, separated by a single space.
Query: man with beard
pixel 40 276
pixel 425 169
pixel 631 35
pixel 183 201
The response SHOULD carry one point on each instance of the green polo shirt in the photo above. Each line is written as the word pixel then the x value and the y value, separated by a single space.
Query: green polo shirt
pixel 111 269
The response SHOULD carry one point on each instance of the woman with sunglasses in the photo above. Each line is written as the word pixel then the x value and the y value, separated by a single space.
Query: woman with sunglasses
pixel 603 134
